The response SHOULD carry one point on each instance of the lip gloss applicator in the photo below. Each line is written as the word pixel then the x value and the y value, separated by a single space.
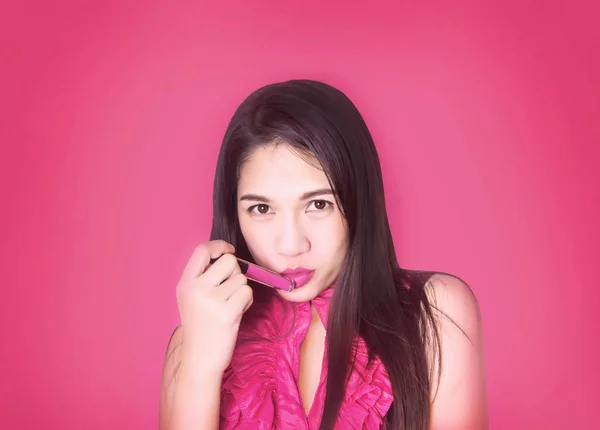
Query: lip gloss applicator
pixel 264 276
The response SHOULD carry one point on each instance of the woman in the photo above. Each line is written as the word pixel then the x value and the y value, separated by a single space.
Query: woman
pixel 363 343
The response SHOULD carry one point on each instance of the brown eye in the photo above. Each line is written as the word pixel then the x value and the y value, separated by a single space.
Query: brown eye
pixel 262 209
pixel 320 204
pixel 259 209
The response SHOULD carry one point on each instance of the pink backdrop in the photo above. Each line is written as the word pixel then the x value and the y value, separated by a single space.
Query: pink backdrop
pixel 486 116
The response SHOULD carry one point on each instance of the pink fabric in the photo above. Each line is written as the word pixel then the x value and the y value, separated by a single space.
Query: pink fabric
pixel 260 389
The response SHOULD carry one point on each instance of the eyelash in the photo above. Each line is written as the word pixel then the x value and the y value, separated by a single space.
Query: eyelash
pixel 250 210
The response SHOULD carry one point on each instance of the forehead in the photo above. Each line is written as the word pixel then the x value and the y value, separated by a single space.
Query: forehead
pixel 280 171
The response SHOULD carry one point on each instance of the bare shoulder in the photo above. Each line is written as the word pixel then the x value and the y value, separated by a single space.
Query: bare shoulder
pixel 453 299
pixel 459 398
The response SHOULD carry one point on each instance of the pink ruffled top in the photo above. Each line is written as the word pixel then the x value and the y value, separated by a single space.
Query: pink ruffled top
pixel 260 387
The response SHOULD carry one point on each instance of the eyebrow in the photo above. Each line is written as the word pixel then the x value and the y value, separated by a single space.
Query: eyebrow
pixel 305 196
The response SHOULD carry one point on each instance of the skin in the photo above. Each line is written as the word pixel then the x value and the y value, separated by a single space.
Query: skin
pixel 286 228
pixel 460 400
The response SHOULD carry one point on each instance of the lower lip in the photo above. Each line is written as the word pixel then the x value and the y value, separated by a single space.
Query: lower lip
pixel 301 278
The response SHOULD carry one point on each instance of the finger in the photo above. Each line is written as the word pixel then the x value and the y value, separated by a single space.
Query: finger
pixel 241 300
pixel 225 266
pixel 230 286
pixel 201 256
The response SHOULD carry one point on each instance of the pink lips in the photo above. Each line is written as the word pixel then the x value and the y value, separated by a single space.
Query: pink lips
pixel 300 275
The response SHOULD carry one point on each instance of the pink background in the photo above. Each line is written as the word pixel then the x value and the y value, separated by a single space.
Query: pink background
pixel 486 116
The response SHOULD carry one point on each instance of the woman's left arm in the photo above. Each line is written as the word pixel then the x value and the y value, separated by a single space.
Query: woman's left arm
pixel 459 398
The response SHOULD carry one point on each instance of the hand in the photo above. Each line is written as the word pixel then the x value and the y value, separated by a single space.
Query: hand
pixel 211 301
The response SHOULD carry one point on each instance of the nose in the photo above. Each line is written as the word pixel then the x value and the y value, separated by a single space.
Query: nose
pixel 291 237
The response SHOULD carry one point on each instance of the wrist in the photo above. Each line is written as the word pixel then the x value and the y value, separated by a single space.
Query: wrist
pixel 193 368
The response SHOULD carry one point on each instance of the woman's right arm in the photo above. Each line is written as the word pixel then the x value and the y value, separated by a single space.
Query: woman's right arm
pixel 190 398
pixel 211 301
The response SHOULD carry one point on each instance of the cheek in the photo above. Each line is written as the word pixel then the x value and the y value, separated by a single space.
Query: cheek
pixel 256 236
pixel 330 238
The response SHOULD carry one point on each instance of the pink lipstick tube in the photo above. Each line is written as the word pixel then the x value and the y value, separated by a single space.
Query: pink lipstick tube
pixel 265 276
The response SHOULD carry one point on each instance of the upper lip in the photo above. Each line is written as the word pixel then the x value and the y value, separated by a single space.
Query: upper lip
pixel 296 271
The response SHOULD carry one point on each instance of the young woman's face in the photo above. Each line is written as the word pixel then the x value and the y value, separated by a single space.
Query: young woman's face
pixel 289 219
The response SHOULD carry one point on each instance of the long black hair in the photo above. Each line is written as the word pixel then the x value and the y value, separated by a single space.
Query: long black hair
pixel 373 297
